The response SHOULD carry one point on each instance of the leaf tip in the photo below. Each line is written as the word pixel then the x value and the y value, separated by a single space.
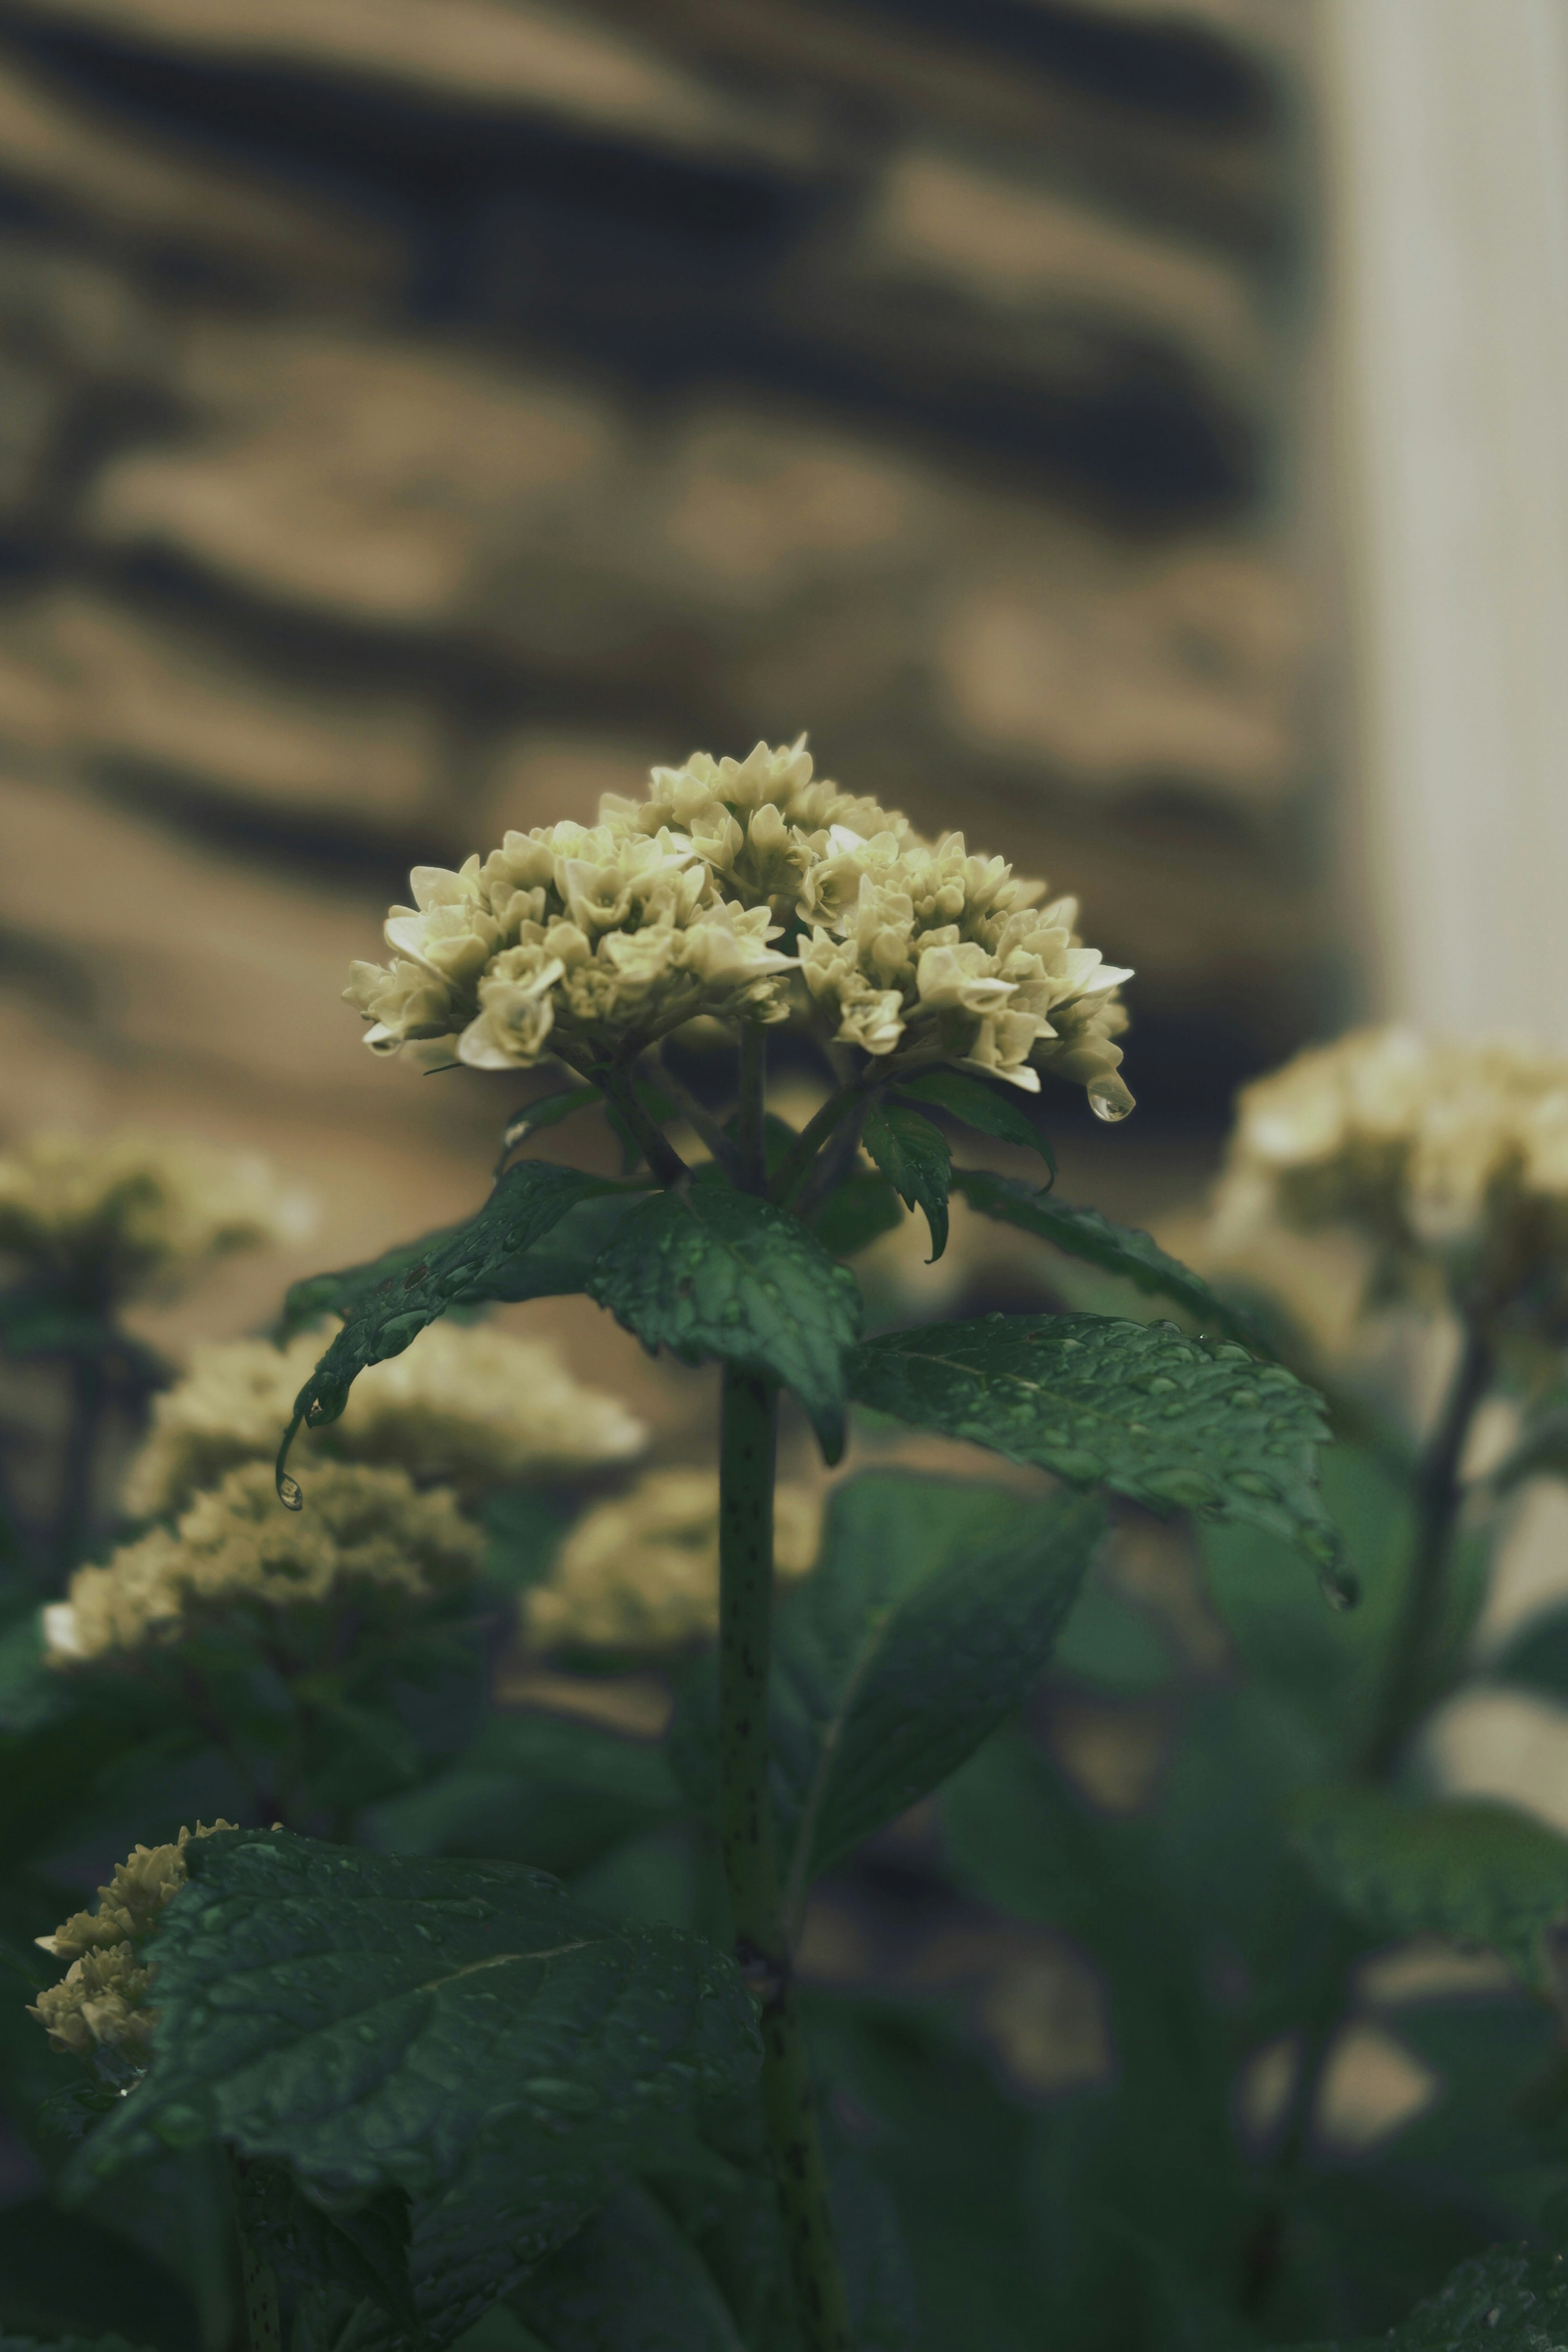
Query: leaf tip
pixel 290 1493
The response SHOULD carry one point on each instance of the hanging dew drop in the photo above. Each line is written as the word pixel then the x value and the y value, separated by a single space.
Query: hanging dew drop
pixel 1110 1101
pixel 290 1494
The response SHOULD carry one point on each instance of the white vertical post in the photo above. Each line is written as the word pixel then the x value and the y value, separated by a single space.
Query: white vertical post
pixel 1448 178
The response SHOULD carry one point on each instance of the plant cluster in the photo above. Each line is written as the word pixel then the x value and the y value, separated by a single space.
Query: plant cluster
pixel 480 2014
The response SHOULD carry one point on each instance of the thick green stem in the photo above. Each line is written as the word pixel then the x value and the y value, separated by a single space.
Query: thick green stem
pixel 750 1120
pixel 748 1436
pixel 1416 1654
pixel 262 2328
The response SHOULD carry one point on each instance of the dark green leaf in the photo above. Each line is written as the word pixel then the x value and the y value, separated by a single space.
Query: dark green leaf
pixel 929 1615
pixel 1469 1868
pixel 362 2250
pixel 913 1157
pixel 1138 1407
pixel 459 2030
pixel 710 1271
pixel 1121 1250
pixel 928 1618
pixel 1327 1667
pixel 340 1292
pixel 628 2281
pixel 546 1788
pixel 988 1111
pixel 1509 2299
pixel 855 1211
pixel 549 1111
pixel 476 1262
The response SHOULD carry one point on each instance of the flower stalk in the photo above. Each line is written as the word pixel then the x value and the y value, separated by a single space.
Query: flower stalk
pixel 748 1431
pixel 1416 1653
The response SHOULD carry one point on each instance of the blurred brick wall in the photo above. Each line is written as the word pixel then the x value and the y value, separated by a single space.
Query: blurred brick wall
pixel 416 416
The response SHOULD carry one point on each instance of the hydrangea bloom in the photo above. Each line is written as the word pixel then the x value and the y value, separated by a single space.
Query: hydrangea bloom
pixel 585 941
pixel 1450 1158
pixel 369 1533
pixel 641 1572
pixel 130 1210
pixel 466 1404
pixel 102 2002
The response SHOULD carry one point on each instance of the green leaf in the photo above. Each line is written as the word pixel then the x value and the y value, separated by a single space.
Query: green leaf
pixel 459 2030
pixel 1120 1250
pixel 1509 2299
pixel 710 1271
pixel 980 1107
pixel 548 1788
pixel 362 2250
pixel 929 1616
pixel 1469 1868
pixel 1138 1407
pixel 913 1157
pixel 855 1211
pixel 474 1263
pixel 628 2281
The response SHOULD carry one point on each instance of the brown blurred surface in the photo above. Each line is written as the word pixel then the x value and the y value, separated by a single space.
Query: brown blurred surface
pixel 416 417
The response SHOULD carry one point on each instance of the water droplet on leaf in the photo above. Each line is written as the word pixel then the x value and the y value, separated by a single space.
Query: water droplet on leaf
pixel 1110 1101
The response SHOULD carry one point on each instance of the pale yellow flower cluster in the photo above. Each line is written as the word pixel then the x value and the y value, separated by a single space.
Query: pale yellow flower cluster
pixel 466 1404
pixel 582 940
pixel 1444 1156
pixel 102 2002
pixel 572 939
pixel 910 948
pixel 135 1210
pixel 641 1572
pixel 367 1533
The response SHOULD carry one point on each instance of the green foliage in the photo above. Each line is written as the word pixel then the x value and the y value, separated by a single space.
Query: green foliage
pixel 913 1157
pixel 549 1790
pixel 457 2031
pixel 628 2281
pixel 928 1617
pixel 990 1110
pixel 1066 2029
pixel 709 1271
pixel 1162 1419
pixel 865 1205
pixel 1509 2299
pixel 1120 1250
pixel 360 2250
pixel 1471 1869
pixel 386 1305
